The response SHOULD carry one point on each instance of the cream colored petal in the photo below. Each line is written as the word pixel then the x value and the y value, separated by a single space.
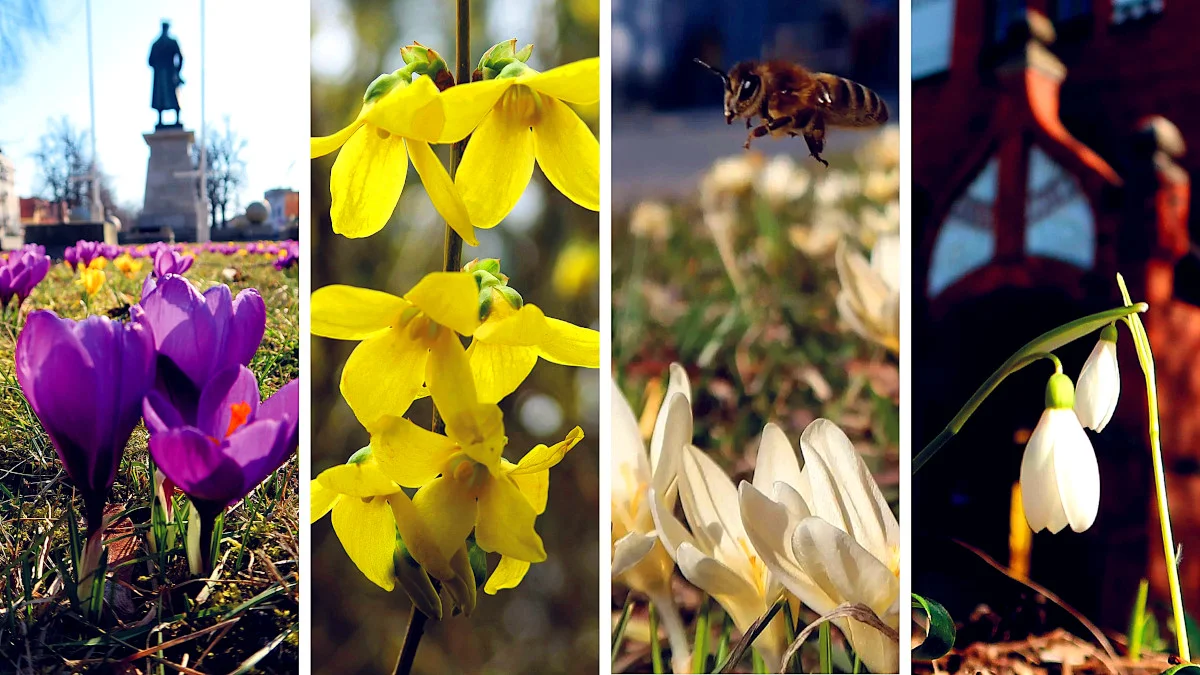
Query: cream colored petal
pixel 629 551
pixel 676 418
pixel 630 467
pixel 842 568
pixel 776 460
pixel 710 502
pixel 677 383
pixel 844 492
pixel 671 532
pixel 770 527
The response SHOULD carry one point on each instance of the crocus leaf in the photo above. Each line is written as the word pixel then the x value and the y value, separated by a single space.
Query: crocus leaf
pixel 940 632
pixel 1183 669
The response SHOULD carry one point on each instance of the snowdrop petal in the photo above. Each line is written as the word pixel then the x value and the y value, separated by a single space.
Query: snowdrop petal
pixel 1078 475
pixel 1099 386
pixel 1060 478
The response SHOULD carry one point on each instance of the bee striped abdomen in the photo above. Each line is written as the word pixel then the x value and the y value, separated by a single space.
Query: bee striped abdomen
pixel 852 104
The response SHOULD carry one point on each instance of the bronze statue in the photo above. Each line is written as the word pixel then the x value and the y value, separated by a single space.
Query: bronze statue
pixel 167 62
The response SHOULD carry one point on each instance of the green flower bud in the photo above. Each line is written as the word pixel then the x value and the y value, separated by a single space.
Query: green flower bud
pixel 503 57
pixel 1060 392
pixel 421 60
pixel 1109 333
pixel 478 559
pixel 462 587
pixel 485 303
pixel 382 85
pixel 511 296
pixel 363 454
pixel 489 265
pixel 415 582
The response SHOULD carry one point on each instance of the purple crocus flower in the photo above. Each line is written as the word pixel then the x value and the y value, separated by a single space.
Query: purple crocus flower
pixel 85 381
pixel 234 443
pixel 199 335
pixel 167 262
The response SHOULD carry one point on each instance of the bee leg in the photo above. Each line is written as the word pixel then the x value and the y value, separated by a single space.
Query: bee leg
pixel 780 122
pixel 757 132
pixel 816 145
pixel 747 122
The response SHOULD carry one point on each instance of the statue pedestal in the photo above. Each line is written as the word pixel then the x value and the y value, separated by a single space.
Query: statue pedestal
pixel 173 209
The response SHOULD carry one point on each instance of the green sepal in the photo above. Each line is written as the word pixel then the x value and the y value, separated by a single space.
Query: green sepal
pixel 415 581
pixel 511 296
pixel 489 265
pixel 381 85
pixel 1060 392
pixel 940 634
pixel 460 587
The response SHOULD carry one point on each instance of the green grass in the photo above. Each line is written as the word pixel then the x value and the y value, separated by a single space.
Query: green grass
pixel 247 619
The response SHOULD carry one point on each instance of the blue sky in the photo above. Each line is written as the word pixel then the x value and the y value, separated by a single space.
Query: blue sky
pixel 256 75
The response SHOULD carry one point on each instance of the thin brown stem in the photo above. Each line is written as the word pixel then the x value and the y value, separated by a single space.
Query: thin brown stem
pixel 412 640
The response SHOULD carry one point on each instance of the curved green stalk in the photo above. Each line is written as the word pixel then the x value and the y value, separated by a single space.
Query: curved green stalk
pixel 1141 343
pixel 1033 350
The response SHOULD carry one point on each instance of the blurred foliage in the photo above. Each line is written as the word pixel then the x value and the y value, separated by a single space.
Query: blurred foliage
pixel 549 248
pixel 737 283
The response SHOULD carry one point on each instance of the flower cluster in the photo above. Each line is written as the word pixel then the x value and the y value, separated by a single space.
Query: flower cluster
pixel 423 502
pixel 180 361
pixel 817 531
pixel 20 272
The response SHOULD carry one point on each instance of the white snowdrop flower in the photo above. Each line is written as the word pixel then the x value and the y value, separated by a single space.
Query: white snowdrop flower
pixel 1099 383
pixel 1060 479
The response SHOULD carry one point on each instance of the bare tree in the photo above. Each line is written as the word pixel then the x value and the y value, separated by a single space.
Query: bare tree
pixel 63 163
pixel 226 171
pixel 22 23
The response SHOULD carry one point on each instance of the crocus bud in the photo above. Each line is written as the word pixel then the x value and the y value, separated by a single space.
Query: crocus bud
pixel 1099 383
pixel 1060 479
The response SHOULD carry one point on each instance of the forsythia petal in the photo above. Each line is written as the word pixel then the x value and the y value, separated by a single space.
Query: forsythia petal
pixel 367 531
pixel 319 147
pixel 408 454
pixel 418 538
pixel 543 458
pixel 351 313
pixel 467 105
pixel 440 188
pixel 568 153
pixel 449 298
pixel 570 345
pixel 359 481
pixel 508 574
pixel 321 500
pixel 496 166
pixel 506 522
pixel 449 511
pixel 499 369
pixel 383 376
pixel 366 182
pixel 577 82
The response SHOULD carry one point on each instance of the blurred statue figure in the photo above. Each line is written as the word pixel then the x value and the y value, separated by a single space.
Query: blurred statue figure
pixel 167 61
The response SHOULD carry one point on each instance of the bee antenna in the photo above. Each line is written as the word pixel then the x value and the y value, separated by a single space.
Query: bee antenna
pixel 720 73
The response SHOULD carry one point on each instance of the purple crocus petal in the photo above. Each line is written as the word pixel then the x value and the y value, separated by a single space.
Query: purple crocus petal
pixel 85 382
pixel 260 447
pixel 197 464
pixel 160 414
pixel 230 387
pixel 245 332
pixel 148 285
pixel 284 405
pixel 184 330
pixel 184 263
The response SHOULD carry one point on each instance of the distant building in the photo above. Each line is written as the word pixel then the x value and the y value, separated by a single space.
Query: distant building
pixel 38 211
pixel 1053 146
pixel 10 204
pixel 285 207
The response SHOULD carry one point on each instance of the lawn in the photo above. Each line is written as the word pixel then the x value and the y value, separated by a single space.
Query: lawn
pixel 155 619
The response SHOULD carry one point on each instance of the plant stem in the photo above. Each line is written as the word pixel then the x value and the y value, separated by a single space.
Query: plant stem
pixel 451 262
pixel 1141 343
pixel 1033 350
pixel 412 640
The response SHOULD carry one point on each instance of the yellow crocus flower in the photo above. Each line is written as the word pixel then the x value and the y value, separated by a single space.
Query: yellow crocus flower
pixel 91 278
pixel 402 114
pixel 464 483
pixel 516 118
pixel 128 265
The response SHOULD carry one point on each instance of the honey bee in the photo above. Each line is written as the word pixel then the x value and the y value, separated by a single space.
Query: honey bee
pixel 794 101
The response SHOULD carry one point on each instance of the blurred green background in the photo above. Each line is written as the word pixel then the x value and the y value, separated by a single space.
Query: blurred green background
pixel 549 248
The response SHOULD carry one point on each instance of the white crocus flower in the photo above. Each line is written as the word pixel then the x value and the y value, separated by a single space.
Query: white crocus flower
pixel 1099 383
pixel 638 558
pixel 831 539
pixel 1060 479
pixel 713 551
pixel 870 297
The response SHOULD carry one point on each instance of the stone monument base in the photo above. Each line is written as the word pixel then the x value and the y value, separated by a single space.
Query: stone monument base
pixel 173 209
